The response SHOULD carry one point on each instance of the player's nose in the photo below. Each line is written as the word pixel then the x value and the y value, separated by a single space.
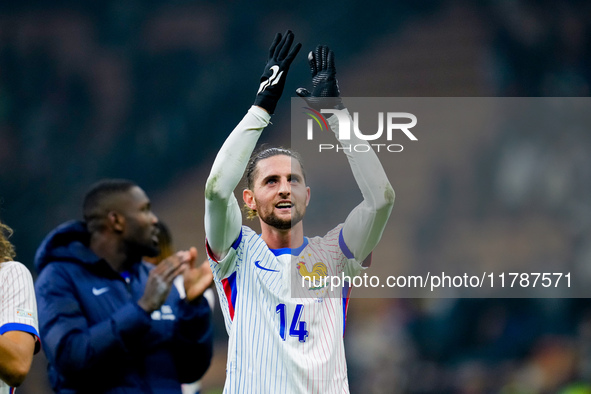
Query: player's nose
pixel 154 218
pixel 284 186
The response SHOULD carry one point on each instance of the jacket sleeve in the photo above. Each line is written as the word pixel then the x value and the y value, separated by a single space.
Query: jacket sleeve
pixel 71 345
pixel 192 346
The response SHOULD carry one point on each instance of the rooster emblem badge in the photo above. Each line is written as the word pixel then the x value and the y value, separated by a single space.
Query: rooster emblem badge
pixel 314 277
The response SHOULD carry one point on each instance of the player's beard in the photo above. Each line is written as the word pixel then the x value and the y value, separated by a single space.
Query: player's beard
pixel 148 249
pixel 141 240
pixel 283 224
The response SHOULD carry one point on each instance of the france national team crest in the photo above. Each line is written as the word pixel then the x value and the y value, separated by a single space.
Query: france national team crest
pixel 314 278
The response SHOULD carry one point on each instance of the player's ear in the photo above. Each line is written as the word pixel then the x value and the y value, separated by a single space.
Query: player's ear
pixel 308 195
pixel 248 197
pixel 116 221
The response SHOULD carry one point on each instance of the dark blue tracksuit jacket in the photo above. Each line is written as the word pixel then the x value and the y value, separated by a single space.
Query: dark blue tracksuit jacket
pixel 96 337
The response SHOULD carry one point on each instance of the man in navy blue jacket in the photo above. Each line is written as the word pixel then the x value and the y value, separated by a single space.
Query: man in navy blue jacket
pixel 109 322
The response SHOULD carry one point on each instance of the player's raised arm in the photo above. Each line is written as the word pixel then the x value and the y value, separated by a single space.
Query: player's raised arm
pixel 365 224
pixel 222 212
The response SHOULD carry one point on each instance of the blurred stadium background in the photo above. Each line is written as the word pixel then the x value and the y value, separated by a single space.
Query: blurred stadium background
pixel 148 90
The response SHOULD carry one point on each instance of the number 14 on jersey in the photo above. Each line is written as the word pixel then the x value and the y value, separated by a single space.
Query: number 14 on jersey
pixel 297 328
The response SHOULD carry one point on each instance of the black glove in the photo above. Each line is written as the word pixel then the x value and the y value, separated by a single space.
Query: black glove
pixel 325 93
pixel 273 78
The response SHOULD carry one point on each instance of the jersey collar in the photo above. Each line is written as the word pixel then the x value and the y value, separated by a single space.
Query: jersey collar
pixel 292 251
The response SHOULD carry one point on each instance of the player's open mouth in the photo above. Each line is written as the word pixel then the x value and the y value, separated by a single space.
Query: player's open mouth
pixel 284 205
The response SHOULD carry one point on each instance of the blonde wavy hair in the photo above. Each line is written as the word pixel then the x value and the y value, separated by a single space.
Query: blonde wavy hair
pixel 6 249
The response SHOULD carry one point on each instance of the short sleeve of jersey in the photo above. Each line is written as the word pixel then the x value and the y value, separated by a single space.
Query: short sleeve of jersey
pixel 18 306
pixel 226 266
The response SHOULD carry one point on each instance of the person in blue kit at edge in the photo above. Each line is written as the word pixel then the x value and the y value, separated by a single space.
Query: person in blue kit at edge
pixel 110 322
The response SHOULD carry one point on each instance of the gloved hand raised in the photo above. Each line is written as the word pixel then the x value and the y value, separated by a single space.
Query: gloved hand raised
pixel 325 91
pixel 281 55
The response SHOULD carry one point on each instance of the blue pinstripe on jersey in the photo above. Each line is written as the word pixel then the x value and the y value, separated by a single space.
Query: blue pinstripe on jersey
pixel 253 280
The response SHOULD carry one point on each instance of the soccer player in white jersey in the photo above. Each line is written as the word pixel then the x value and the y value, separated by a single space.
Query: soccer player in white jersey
pixel 278 343
pixel 19 337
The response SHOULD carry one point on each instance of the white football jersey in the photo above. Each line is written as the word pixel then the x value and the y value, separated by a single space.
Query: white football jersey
pixel 280 343
pixel 18 307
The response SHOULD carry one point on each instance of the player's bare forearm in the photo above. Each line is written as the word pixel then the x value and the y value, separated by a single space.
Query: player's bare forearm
pixel 16 356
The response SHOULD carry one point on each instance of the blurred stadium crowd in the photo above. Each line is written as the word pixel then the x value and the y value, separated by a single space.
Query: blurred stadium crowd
pixel 148 90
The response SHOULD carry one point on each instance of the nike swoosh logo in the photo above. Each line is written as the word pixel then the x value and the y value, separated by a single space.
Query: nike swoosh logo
pixel 98 292
pixel 258 265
